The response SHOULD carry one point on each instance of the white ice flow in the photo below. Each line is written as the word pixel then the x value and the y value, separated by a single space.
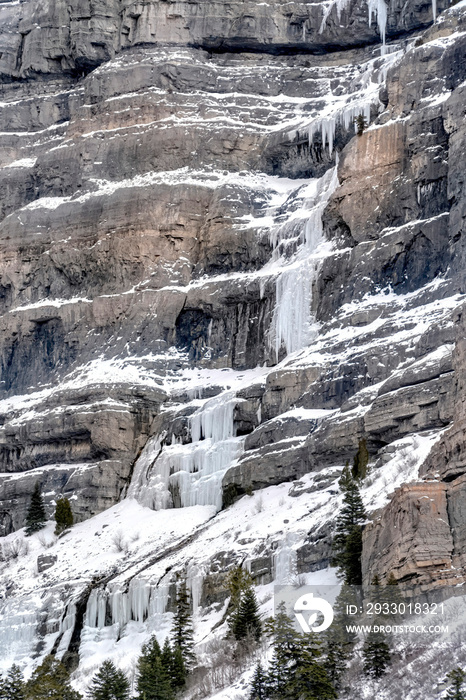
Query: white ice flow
pixel 191 474
pixel 293 324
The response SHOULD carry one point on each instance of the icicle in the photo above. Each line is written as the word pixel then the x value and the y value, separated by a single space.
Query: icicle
pixel 434 9
pixel 96 609
pixel 379 9
pixel 340 6
pixel 139 594
pixel 119 604
pixel 195 580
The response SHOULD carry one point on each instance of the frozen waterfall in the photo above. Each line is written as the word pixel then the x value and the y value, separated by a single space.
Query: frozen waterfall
pixel 119 605
pixel 293 325
pixel 285 561
pixel 189 475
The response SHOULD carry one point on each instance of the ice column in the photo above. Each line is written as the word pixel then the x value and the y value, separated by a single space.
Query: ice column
pixel 293 324
pixel 285 562
pixel 378 8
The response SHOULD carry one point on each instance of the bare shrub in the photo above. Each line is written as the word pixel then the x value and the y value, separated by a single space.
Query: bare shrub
pixel 15 549
pixel 259 503
pixel 407 460
pixel 46 543
pixel 119 542
pixel 300 580
pixel 228 659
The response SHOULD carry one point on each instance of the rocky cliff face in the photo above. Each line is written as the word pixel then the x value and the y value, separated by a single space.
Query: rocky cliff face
pixel 210 286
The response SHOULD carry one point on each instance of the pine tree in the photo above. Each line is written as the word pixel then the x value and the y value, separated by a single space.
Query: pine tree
pixel 36 516
pixel 259 684
pixel 167 654
pixel 336 651
pixel 285 641
pixel 309 679
pixel 238 580
pixel 183 634
pixel 376 655
pixel 456 679
pixel 361 460
pixel 346 478
pixel 13 686
pixel 347 543
pixel 50 682
pixel 63 515
pixel 178 672
pixel 153 678
pixel 246 621
pixel 109 684
pixel 154 682
pixel 296 669
pixel 361 124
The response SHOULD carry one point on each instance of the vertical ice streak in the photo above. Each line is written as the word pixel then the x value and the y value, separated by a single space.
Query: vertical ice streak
pixel 378 8
pixel 293 325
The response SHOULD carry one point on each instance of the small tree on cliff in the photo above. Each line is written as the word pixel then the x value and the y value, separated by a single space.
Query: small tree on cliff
pixel 63 515
pixel 36 516
pixel 361 124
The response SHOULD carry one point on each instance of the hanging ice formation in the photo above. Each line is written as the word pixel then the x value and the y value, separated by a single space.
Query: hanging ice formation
pixel 327 126
pixel 375 7
pixel 141 601
pixel 378 8
pixel 189 475
pixel 285 562
pixel 293 324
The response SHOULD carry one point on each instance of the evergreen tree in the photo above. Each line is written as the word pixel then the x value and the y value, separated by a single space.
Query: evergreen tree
pixel 178 671
pixel 154 681
pixel 63 515
pixel 347 543
pixel 50 682
pixel 296 669
pixel 456 679
pixel 308 678
pixel 183 634
pixel 376 655
pixel 361 124
pixel 361 460
pixel 336 651
pixel 238 580
pixel 36 516
pixel 109 684
pixel 259 684
pixel 167 655
pixel 246 621
pixel 12 688
pixel 346 478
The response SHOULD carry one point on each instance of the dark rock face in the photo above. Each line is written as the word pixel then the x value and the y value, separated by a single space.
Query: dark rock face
pixel 56 38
